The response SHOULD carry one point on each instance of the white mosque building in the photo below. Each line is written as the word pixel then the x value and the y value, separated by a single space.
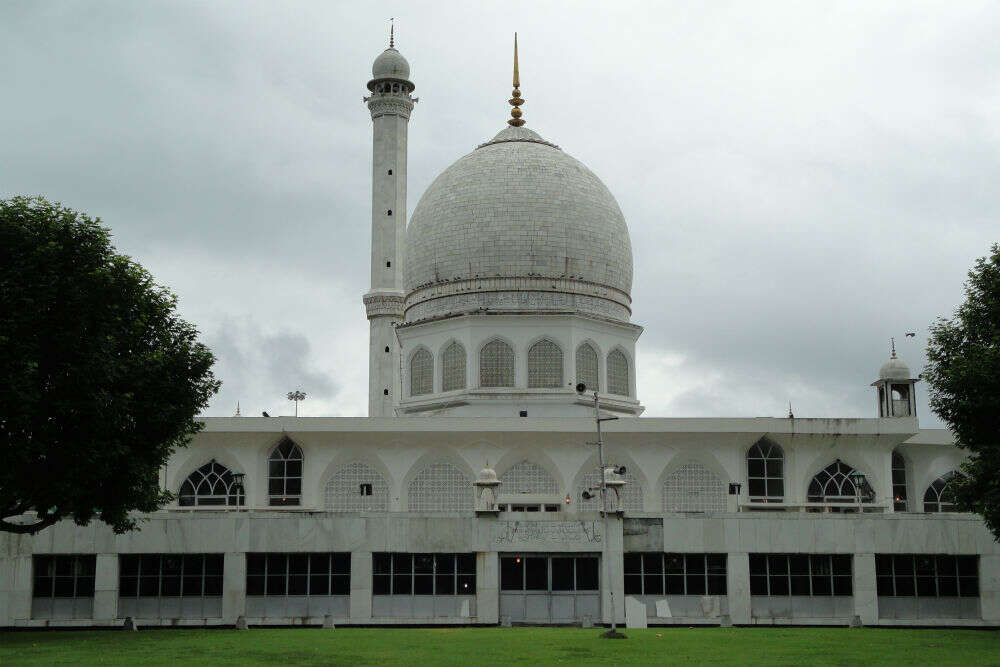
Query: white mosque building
pixel 471 492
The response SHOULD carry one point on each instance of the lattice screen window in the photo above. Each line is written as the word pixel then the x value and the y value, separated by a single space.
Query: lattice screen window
pixel 693 488
pixel 496 365
pixel 356 487
pixel 453 367
pixel 440 487
pixel 631 495
pixel 617 373
pixel 527 477
pixel 586 366
pixel 545 365
pixel 421 373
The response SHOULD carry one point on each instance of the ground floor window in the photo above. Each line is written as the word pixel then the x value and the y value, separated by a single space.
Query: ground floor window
pixel 799 574
pixel 63 576
pixel 423 574
pixel 272 574
pixel 530 572
pixel 675 574
pixel 170 575
pixel 913 575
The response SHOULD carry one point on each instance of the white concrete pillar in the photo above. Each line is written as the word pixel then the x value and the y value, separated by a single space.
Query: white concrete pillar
pixel 738 586
pixel 989 587
pixel 19 591
pixel 488 587
pixel 234 586
pixel 616 564
pixel 865 592
pixel 361 586
pixel 106 587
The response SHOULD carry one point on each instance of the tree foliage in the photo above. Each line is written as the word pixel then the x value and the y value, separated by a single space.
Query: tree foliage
pixel 99 378
pixel 963 372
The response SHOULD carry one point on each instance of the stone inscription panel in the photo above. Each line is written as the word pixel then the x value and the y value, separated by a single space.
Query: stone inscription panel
pixel 548 533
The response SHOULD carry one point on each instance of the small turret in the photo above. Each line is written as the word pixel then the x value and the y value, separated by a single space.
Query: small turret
pixel 896 395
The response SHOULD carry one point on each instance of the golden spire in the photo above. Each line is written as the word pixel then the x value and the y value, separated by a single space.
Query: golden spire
pixel 516 100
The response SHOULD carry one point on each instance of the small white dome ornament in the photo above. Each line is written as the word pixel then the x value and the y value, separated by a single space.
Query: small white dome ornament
pixel 487 487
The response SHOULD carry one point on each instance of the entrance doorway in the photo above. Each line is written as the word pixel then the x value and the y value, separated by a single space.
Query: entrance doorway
pixel 550 588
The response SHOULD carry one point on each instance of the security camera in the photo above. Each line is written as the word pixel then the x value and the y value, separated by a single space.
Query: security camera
pixel 580 387
pixel 586 495
pixel 620 470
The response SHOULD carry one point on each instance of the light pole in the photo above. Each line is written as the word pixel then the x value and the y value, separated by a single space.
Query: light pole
pixel 296 396
pixel 581 388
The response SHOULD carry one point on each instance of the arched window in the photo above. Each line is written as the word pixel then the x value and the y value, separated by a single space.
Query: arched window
pixel 766 473
pixel 938 497
pixel 356 487
pixel 496 365
pixel 453 367
pixel 284 474
pixel 898 482
pixel 631 493
pixel 693 488
pixel 545 365
pixel 833 484
pixel 440 487
pixel 211 484
pixel 421 373
pixel 618 373
pixel 527 477
pixel 586 367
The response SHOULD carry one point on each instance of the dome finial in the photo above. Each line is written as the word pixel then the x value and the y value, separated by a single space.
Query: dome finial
pixel 516 100
pixel 392 32
pixel 892 344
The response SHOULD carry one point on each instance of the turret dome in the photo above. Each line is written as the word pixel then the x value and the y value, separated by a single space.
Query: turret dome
pixel 390 64
pixel 894 369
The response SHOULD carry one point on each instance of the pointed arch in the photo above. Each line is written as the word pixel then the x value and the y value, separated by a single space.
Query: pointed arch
pixel 588 366
pixel 545 365
pixel 938 496
pixel 496 364
pixel 284 474
pixel 440 486
pixel 834 484
pixel 421 372
pixel 528 477
pixel 210 485
pixel 766 472
pixel 453 364
pixel 692 487
pixel 619 373
pixel 356 487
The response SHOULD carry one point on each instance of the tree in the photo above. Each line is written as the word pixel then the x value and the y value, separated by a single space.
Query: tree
pixel 100 380
pixel 963 372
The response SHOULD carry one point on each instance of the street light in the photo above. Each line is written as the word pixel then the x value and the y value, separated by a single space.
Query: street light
pixel 858 480
pixel 587 495
pixel 296 396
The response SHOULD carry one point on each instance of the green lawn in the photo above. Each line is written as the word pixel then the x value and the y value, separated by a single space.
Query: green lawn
pixel 499 647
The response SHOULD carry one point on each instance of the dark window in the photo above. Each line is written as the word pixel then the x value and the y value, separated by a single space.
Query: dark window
pixel 423 574
pixel 211 484
pixel 299 574
pixel 388 264
pixel 913 575
pixel 366 489
pixel 63 576
pixel 549 573
pixel 898 482
pixel 765 473
pixel 390 212
pixel 675 574
pixel 390 172
pixel 801 575
pixel 284 474
pixel 170 575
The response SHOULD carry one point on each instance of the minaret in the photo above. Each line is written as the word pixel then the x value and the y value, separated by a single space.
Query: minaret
pixel 390 105
pixel 896 395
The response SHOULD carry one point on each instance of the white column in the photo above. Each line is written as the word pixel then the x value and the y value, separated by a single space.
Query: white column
pixel 106 588
pixel 361 587
pixel 865 593
pixel 989 587
pixel 738 586
pixel 234 586
pixel 488 587
pixel 18 593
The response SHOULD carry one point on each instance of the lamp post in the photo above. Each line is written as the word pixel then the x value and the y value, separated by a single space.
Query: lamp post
pixel 581 388
pixel 859 481
pixel 296 396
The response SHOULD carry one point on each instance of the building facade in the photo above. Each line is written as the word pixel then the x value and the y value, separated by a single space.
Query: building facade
pixel 472 492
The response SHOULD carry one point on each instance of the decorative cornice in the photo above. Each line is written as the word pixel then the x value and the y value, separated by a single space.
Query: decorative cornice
pixel 383 305
pixel 519 284
pixel 384 104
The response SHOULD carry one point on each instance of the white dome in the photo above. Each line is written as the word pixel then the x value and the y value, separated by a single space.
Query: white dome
pixel 391 64
pixel 894 369
pixel 512 220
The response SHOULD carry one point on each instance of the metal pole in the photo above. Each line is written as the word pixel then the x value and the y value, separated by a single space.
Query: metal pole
pixel 604 507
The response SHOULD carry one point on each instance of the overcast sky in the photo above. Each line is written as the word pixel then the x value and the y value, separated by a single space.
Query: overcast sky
pixel 802 180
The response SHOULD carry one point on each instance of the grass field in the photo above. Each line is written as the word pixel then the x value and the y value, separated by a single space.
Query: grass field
pixel 499 647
